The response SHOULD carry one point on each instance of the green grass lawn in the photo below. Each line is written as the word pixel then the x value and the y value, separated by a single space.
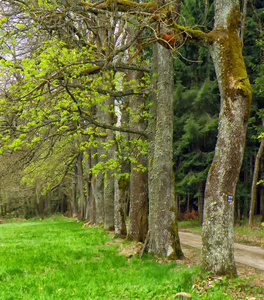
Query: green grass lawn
pixel 58 259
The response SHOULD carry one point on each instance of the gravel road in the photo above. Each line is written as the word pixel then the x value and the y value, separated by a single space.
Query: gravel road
pixel 249 255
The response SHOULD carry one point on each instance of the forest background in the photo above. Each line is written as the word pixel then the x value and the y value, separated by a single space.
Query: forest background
pixel 77 108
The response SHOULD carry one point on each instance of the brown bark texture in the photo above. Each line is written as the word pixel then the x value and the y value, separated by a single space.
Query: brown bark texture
pixel 88 177
pixel 163 226
pixel 98 187
pixel 80 181
pixel 235 92
pixel 121 193
pixel 138 179
pixel 74 194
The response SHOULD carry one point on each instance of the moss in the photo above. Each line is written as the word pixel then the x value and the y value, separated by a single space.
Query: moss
pixel 94 180
pixel 234 19
pixel 194 36
pixel 123 183
pixel 233 69
pixel 91 70
pixel 82 3
pixel 136 4
pixel 150 6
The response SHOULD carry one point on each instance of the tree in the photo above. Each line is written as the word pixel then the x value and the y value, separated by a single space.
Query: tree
pixel 68 99
pixel 235 91
pixel 65 76
pixel 138 210
pixel 163 226
pixel 254 183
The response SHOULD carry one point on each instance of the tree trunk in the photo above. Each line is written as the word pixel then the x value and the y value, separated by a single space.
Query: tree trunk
pixel 109 201
pixel 88 177
pixel 254 184
pixel 97 154
pixel 138 179
pixel 243 21
pixel 122 183
pixel 80 184
pixel 163 225
pixel 235 92
pixel 262 204
pixel 48 203
pixel 98 186
pixel 109 188
pixel 74 193
pixel 121 192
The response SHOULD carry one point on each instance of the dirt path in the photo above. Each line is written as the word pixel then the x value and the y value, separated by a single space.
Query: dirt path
pixel 249 255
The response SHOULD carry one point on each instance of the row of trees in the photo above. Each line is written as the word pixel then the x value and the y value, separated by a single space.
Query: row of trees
pixel 87 103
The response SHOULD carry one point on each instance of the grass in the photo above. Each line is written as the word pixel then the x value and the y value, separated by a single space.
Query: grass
pixel 58 259
pixel 193 225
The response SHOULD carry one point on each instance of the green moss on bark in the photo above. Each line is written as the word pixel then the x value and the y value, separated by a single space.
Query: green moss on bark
pixel 123 183
pixel 234 77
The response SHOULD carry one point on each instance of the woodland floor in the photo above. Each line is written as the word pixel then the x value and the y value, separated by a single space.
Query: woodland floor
pixel 248 285
pixel 250 278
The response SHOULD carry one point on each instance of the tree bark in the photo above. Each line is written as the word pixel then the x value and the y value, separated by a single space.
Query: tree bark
pixel 235 92
pixel 80 185
pixel 138 179
pixel 122 183
pixel 109 188
pixel 88 177
pixel 121 193
pixel 163 226
pixel 243 21
pixel 97 186
pixel 254 184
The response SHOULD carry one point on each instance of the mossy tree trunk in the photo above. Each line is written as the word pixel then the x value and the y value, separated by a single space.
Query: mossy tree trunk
pixel 163 238
pixel 235 92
